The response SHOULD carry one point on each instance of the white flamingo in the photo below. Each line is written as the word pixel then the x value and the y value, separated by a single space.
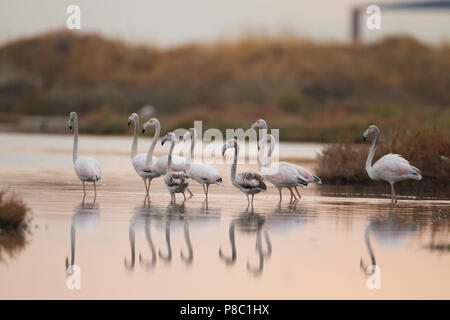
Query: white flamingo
pixel 86 168
pixel 200 172
pixel 391 168
pixel 249 182
pixel 281 174
pixel 144 162
pixel 176 181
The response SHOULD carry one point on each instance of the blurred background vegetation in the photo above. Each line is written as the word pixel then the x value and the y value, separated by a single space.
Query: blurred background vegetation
pixel 321 92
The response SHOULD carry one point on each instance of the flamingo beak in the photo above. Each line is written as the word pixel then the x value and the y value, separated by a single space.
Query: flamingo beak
pixel 224 148
pixel 70 128
pixel 143 130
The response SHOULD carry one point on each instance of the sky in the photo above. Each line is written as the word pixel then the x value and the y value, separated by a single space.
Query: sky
pixel 167 23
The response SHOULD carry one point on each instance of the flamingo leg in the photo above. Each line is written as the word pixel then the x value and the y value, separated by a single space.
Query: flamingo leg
pixel 281 197
pixel 393 195
pixel 190 193
pixel 146 190
pixel 84 192
pixel 248 200
pixel 95 190
pixel 252 199
pixel 207 191
pixel 292 195
pixel 298 193
pixel 204 190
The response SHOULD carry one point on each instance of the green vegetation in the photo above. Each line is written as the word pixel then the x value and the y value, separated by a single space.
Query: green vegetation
pixel 311 91
pixel 428 150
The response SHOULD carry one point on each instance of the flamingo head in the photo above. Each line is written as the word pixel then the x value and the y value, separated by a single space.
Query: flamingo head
pixel 152 122
pixel 133 118
pixel 190 133
pixel 72 118
pixel 168 137
pixel 370 129
pixel 219 181
pixel 259 124
pixel 232 143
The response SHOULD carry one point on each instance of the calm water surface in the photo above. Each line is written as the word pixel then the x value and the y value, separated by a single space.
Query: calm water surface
pixel 317 248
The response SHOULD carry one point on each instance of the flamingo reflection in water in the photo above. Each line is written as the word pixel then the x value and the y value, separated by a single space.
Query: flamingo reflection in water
pixel 252 223
pixel 391 231
pixel 85 219
pixel 141 221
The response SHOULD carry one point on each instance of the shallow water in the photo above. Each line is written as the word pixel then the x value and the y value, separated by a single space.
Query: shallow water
pixel 316 248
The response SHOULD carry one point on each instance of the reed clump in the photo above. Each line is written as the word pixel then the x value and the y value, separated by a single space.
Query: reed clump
pixel 426 149
pixel 13 212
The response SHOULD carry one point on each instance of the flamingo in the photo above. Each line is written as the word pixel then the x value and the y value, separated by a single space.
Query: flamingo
pixel 391 168
pixel 202 173
pixel 282 174
pixel 86 168
pixel 178 164
pixel 176 181
pixel 249 182
pixel 144 162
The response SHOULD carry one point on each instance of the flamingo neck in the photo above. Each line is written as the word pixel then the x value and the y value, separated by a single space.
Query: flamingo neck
pixel 135 138
pixel 189 158
pixel 372 150
pixel 153 144
pixel 262 149
pixel 75 140
pixel 234 165
pixel 169 158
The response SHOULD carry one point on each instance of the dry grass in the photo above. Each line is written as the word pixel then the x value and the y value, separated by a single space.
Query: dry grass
pixel 13 212
pixel 311 91
pixel 14 222
pixel 12 243
pixel 428 150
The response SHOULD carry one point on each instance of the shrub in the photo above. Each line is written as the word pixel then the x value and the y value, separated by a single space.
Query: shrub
pixel 426 149
pixel 13 212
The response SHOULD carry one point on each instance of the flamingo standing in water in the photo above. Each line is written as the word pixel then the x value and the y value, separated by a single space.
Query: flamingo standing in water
pixel 144 162
pixel 202 173
pixel 178 164
pixel 391 168
pixel 86 168
pixel 249 182
pixel 281 174
pixel 178 181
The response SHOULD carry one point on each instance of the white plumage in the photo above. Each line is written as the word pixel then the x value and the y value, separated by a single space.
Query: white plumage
pixel 200 172
pixel 391 168
pixel 87 169
pixel 144 163
pixel 178 164
pixel 281 174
